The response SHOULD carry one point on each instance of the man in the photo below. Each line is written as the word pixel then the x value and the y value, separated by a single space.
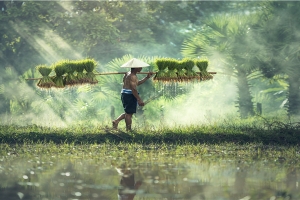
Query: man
pixel 130 96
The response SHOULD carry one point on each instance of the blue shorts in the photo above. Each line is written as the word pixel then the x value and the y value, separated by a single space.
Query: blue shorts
pixel 129 102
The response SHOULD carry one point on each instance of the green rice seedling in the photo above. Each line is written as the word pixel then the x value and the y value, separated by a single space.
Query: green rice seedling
pixel 89 66
pixel 70 78
pixel 161 74
pixel 166 64
pixel 188 65
pixel 202 66
pixel 45 81
pixel 81 75
pixel 73 65
pixel 181 72
pixel 171 65
pixel 60 70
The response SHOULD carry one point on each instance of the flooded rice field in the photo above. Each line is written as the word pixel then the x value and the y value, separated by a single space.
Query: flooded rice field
pixel 105 173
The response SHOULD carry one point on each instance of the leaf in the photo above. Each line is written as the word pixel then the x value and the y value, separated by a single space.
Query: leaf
pixel 84 88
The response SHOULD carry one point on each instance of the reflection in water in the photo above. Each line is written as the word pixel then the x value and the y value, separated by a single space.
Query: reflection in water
pixel 111 178
pixel 128 185
pixel 239 183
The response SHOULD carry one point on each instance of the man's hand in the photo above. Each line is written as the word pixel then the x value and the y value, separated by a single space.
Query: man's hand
pixel 140 102
pixel 150 74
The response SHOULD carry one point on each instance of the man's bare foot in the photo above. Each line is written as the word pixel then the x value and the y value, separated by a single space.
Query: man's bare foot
pixel 128 128
pixel 114 124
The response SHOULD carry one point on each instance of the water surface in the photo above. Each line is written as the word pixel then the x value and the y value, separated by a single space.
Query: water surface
pixel 152 174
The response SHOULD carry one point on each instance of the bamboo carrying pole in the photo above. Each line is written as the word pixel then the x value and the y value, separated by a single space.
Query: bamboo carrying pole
pixel 111 73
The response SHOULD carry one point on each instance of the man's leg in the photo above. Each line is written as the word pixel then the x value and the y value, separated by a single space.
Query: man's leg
pixel 116 121
pixel 128 121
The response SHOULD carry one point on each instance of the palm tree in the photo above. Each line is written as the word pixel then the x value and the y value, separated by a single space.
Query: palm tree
pixel 226 39
pixel 279 35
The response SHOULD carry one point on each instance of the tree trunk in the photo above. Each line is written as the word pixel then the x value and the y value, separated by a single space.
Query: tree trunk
pixel 245 103
pixel 294 94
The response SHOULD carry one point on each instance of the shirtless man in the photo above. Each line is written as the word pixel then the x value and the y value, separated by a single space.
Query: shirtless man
pixel 130 97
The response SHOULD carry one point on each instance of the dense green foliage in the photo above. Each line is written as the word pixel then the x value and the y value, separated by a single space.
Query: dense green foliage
pixel 282 57
pixel 249 44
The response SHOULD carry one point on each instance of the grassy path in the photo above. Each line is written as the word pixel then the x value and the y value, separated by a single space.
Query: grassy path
pixel 185 135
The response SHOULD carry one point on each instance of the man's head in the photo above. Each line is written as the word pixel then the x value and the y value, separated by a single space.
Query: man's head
pixel 139 69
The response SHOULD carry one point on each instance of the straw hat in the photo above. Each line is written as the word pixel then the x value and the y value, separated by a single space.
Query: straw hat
pixel 135 63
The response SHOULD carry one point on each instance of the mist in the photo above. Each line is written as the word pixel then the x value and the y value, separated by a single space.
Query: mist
pixel 204 102
pixel 207 102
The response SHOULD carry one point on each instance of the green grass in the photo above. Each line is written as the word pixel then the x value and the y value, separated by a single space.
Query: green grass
pixel 161 152
pixel 237 132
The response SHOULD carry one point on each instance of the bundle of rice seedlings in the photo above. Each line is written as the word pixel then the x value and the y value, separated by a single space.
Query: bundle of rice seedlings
pixel 45 81
pixel 181 72
pixel 60 70
pixel 202 66
pixel 89 66
pixel 70 78
pixel 188 65
pixel 171 65
pixel 161 74
pixel 81 75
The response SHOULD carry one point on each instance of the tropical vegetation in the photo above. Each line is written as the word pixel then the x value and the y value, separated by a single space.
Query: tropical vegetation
pixel 252 45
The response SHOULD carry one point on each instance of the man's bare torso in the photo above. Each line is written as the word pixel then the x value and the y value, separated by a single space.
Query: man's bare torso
pixel 130 81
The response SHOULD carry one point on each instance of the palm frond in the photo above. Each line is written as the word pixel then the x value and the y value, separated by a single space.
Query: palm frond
pixel 254 75
pixel 85 88
pixel 101 94
pixel 115 64
pixel 218 23
pixel 80 104
pixel 195 47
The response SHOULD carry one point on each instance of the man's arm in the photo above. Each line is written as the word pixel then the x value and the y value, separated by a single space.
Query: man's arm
pixel 124 77
pixel 133 85
pixel 145 78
